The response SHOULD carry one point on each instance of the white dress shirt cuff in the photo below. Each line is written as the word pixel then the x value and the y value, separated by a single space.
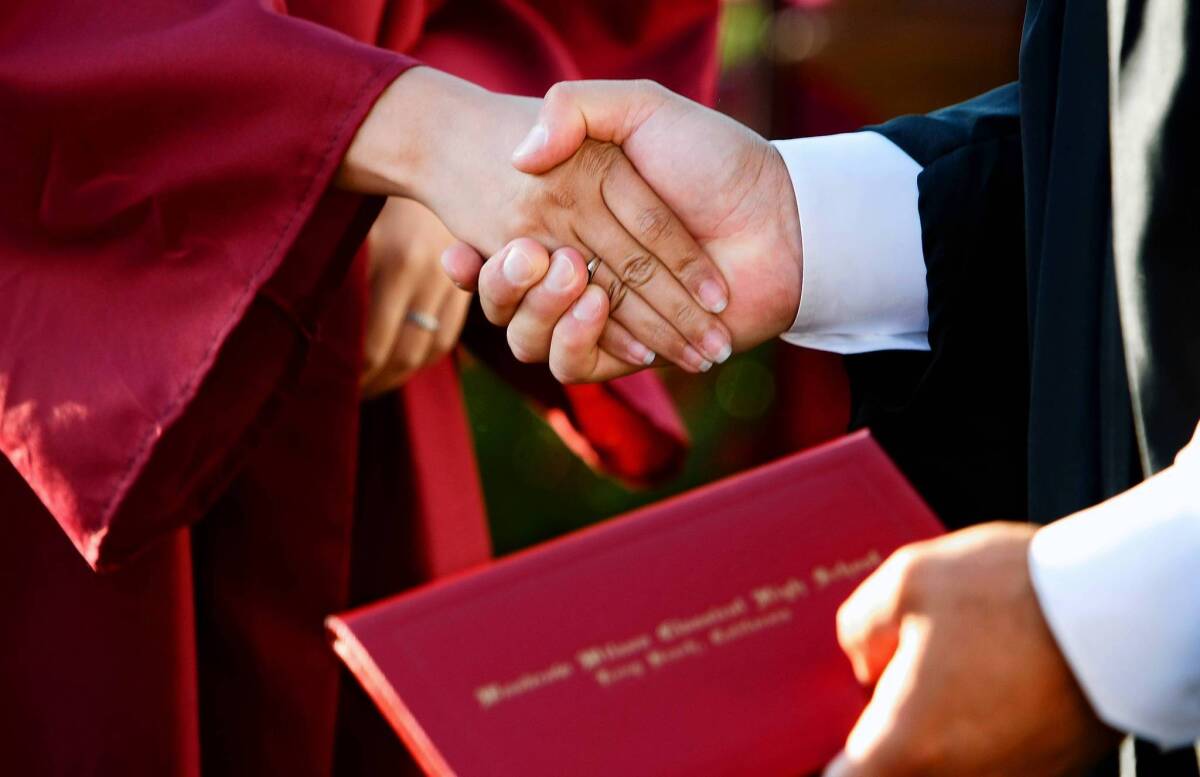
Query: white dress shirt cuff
pixel 864 268
pixel 1119 585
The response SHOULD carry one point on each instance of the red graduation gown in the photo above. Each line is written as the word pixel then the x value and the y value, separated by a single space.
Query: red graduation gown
pixel 180 321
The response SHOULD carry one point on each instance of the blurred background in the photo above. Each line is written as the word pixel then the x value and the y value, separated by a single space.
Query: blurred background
pixel 789 69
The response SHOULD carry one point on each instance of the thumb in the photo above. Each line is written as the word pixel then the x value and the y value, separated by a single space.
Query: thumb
pixel 608 111
pixel 575 354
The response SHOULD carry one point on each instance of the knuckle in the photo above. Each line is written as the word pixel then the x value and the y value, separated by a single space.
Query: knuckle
pixel 654 223
pixel 561 196
pixel 845 621
pixel 595 159
pixel 648 86
pixel 686 317
pixel 902 562
pixel 522 355
pixel 617 292
pixel 564 375
pixel 912 570
pixel 528 216
pixel 660 338
pixel 687 264
pixel 493 311
pixel 667 340
pixel 638 270
pixel 558 91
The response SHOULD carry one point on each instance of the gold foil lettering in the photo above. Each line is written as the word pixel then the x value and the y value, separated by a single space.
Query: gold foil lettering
pixel 748 626
pixel 845 570
pixel 615 674
pixel 491 694
pixel 789 591
pixel 591 657
pixel 673 628
pixel 660 657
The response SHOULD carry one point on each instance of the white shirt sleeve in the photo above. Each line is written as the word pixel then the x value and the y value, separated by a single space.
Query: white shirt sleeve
pixel 1119 585
pixel 863 283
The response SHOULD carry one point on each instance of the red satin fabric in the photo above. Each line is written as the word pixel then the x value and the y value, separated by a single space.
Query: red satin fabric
pixel 181 310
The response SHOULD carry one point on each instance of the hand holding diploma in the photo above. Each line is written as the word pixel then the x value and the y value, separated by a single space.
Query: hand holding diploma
pixel 968 678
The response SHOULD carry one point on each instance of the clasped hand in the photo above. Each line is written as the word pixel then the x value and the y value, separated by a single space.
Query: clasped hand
pixel 703 203
pixel 673 229
pixel 455 160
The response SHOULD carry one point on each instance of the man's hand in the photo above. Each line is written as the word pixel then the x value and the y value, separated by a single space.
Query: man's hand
pixel 728 186
pixel 968 678
pixel 415 313
pixel 448 144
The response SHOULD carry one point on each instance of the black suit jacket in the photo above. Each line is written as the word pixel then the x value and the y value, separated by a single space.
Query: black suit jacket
pixel 1062 248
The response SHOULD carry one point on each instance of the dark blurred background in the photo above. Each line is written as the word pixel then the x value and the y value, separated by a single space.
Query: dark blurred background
pixel 789 69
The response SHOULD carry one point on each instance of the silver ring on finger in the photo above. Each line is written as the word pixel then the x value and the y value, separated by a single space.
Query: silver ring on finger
pixel 423 321
pixel 591 267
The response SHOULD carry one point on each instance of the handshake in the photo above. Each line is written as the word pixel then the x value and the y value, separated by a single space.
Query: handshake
pixel 629 226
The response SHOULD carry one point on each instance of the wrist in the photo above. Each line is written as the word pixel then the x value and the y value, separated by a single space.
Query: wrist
pixel 786 229
pixel 394 151
pixel 788 217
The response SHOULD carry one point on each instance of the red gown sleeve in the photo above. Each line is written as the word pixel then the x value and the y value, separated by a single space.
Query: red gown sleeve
pixel 167 230
pixel 628 427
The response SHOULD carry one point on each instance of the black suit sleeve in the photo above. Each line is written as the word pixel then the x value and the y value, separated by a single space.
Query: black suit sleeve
pixel 955 418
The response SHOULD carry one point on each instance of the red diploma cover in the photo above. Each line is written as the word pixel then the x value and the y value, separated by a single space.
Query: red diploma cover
pixel 693 637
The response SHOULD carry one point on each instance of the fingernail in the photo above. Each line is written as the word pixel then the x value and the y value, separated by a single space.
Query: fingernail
pixel 518 267
pixel 716 346
pixel 532 143
pixel 697 362
pixel 562 274
pixel 641 354
pixel 713 297
pixel 587 309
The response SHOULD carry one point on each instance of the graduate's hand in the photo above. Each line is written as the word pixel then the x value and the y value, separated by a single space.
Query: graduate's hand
pixel 728 186
pixel 415 313
pixel 587 345
pixel 448 143
pixel 968 678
